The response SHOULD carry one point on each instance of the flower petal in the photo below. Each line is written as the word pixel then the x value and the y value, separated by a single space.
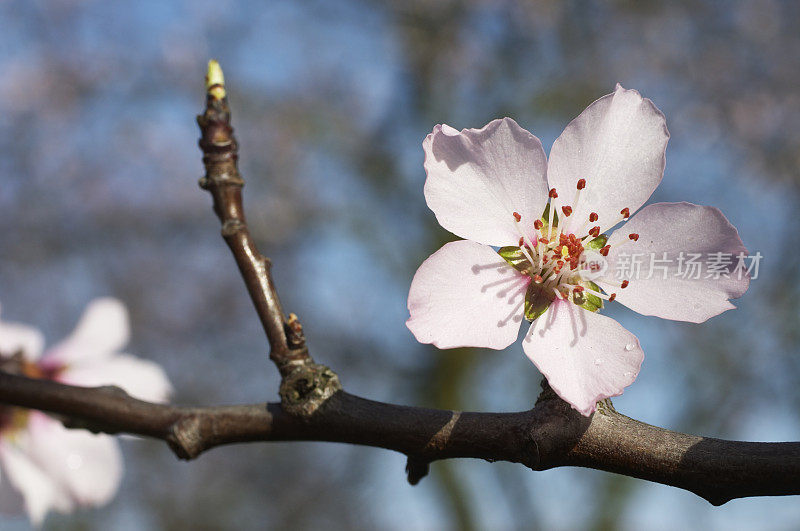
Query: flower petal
pixel 40 492
pixel 478 178
pixel 16 337
pixel 465 294
pixel 675 228
pixel 102 330
pixel 585 356
pixel 618 145
pixel 87 465
pixel 12 503
pixel 143 379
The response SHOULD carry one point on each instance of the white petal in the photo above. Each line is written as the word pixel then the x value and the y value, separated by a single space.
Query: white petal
pixel 143 379
pixel 87 465
pixel 102 330
pixel 618 145
pixel 20 338
pixel 675 228
pixel 12 503
pixel 478 178
pixel 465 294
pixel 585 356
pixel 40 492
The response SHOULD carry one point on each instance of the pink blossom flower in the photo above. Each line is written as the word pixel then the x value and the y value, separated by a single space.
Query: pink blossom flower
pixel 43 465
pixel 491 186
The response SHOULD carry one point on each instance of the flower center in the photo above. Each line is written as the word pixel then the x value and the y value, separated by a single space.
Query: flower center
pixel 562 262
pixel 14 419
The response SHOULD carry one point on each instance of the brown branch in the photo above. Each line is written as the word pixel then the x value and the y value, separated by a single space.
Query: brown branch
pixel 550 435
pixel 315 408
pixel 222 180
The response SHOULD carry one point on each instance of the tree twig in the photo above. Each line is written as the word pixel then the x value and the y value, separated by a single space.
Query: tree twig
pixel 223 182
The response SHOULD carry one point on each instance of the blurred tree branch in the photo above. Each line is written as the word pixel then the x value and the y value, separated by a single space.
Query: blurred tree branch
pixel 314 407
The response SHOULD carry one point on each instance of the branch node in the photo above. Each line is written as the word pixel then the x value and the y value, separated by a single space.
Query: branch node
pixel 295 338
pixel 416 469
pixel 231 227
pixel 306 387
pixel 185 438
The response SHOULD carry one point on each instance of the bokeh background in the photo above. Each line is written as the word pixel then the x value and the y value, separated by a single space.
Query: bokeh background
pixel 331 101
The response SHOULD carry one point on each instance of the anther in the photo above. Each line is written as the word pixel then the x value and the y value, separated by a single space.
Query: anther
pixel 521 242
pixel 553 193
pixel 517 217
pixel 538 224
pixel 604 250
pixel 577 289
pixel 612 297
pixel 567 210
pixel 633 236
pixel 581 184
pixel 593 217
pixel 594 232
pixel 538 279
pixel 625 284
pixel 626 212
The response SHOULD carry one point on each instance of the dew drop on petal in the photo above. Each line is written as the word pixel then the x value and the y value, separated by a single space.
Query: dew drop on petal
pixel 630 346
pixel 74 461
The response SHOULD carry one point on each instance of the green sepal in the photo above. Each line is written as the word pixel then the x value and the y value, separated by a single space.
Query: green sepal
pixel 536 302
pixel 546 216
pixel 587 300
pixel 598 243
pixel 514 257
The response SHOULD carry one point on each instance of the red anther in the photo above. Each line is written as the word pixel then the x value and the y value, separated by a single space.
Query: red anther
pixel 567 210
pixel 625 284
pixel 538 279
pixel 612 297
pixel 593 217
pixel 633 236
pixel 553 193
pixel 594 232
pixel 578 288
pixel 604 250
pixel 626 212
pixel 544 240
pixel 517 216
pixel 581 184
pixel 538 224
pixel 521 242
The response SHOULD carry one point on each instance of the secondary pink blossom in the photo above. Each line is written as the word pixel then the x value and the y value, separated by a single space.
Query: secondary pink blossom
pixel 43 465
pixel 491 186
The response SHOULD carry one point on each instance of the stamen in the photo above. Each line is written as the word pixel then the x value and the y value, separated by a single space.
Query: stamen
pixel 517 217
pixel 633 236
pixel 604 250
pixel 581 184
pixel 553 193
pixel 625 284
pixel 593 217
pixel 538 224
pixel 567 210
pixel 612 297
pixel 538 279
pixel 626 213
pixel 594 232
